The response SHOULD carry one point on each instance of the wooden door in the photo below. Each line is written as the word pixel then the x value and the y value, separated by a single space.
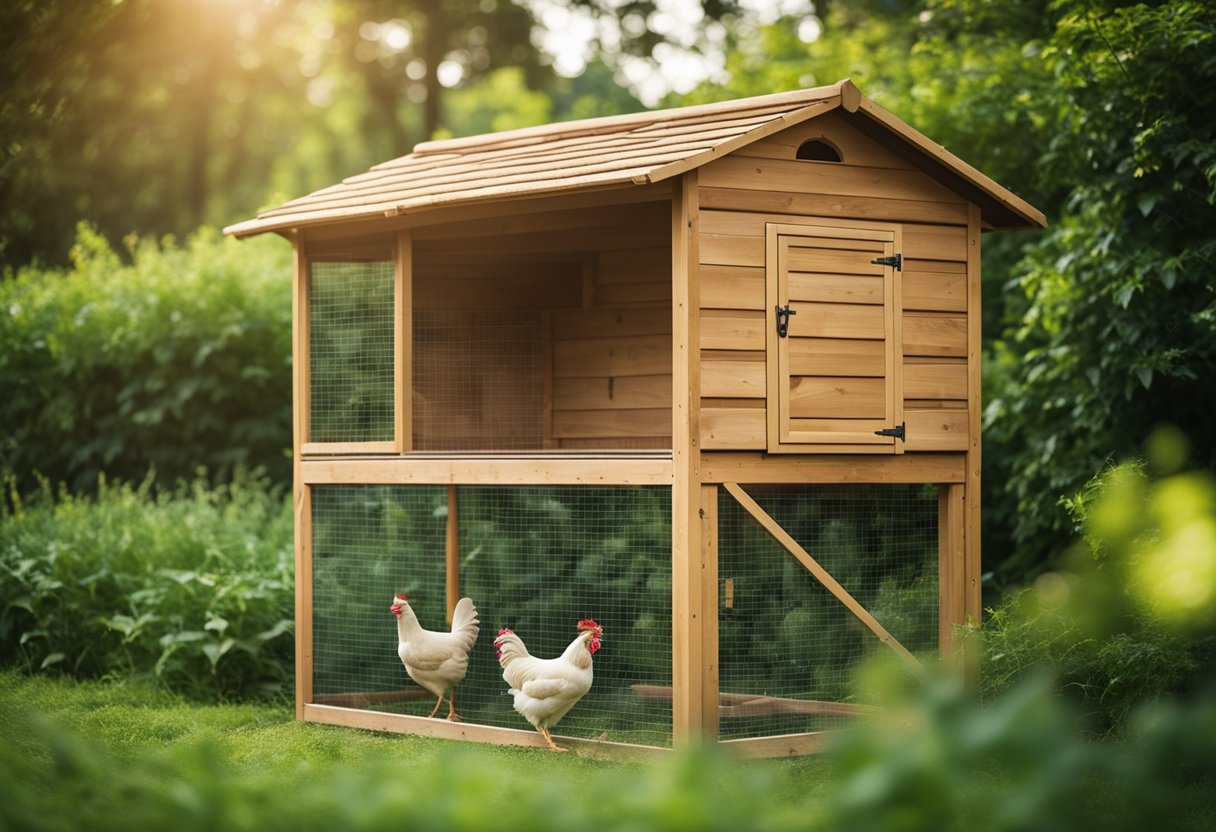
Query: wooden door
pixel 833 368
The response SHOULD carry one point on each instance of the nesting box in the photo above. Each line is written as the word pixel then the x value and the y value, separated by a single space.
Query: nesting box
pixel 709 375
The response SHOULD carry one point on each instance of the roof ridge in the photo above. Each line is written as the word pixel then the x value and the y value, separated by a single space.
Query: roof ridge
pixel 524 136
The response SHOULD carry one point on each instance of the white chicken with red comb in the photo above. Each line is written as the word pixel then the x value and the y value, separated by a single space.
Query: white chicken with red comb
pixel 436 660
pixel 546 689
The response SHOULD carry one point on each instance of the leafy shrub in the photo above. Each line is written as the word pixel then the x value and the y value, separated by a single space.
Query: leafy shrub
pixel 178 359
pixel 1130 619
pixel 192 588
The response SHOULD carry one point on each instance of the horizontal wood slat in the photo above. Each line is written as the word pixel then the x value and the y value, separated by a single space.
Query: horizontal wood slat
pixel 936 430
pixel 793 204
pixel 837 320
pixel 645 355
pixel 934 291
pixel 605 323
pixel 816 397
pixel 836 288
pixel 733 428
pixel 836 357
pixel 935 335
pixel 935 381
pixel 776 175
pixel 625 392
pixel 573 424
pixel 732 287
pixel 733 378
pixel 726 330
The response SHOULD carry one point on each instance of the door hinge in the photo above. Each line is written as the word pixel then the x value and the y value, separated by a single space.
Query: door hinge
pixel 783 320
pixel 896 260
pixel 897 431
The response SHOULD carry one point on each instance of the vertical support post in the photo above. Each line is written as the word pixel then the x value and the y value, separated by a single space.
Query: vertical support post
pixel 452 552
pixel 301 496
pixel 687 608
pixel 709 610
pixel 952 574
pixel 403 337
pixel 972 604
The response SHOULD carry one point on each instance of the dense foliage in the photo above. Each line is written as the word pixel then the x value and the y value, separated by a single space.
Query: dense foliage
pixel 1129 617
pixel 1100 113
pixel 175 360
pixel 191 589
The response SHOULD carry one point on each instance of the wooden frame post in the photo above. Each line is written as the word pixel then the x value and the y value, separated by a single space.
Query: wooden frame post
pixel 687 649
pixel 452 553
pixel 952 573
pixel 403 343
pixel 301 494
pixel 973 604
pixel 709 611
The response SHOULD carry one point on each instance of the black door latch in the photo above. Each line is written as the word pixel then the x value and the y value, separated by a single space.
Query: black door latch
pixel 783 320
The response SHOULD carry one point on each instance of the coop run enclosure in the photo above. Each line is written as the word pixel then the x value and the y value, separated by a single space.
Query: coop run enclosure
pixel 709 376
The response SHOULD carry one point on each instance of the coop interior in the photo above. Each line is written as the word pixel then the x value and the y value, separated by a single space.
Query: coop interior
pixel 546 332
pixel 539 559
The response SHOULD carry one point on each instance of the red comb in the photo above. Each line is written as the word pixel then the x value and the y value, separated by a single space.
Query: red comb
pixel 403 596
pixel 588 624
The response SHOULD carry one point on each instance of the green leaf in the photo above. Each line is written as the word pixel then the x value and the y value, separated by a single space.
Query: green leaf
pixel 51 659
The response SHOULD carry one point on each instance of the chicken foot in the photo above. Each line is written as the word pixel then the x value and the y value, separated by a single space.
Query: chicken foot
pixel 544 732
pixel 452 715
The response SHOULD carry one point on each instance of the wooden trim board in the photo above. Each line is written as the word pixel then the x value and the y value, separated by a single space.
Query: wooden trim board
pixel 442 729
pixel 488 471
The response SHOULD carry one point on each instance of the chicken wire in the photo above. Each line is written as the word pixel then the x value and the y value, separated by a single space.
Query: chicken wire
pixel 478 380
pixel 782 635
pixel 533 559
pixel 350 351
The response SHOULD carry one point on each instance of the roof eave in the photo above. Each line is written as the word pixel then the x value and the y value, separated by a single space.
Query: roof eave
pixel 1000 207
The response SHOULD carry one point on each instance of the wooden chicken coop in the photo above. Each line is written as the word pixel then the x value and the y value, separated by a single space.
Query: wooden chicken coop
pixel 709 375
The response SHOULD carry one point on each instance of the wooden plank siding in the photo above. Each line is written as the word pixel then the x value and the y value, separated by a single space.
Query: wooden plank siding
pixel 763 183
pixel 611 359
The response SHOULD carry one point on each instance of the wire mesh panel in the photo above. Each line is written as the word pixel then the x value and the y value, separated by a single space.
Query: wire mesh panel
pixel 787 647
pixel 350 314
pixel 479 380
pixel 536 560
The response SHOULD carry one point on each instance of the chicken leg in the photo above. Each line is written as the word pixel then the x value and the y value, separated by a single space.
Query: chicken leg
pixel 544 732
pixel 452 715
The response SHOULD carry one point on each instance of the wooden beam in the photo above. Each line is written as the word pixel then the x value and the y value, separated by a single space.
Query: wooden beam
pixel 300 494
pixel 452 553
pixel 586 469
pixel 347 448
pixel 687 613
pixel 972 605
pixel 442 729
pixel 709 612
pixel 820 574
pixel 403 341
pixel 786 745
pixel 952 573
pixel 745 467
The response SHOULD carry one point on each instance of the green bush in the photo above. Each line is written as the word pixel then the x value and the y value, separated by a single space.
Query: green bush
pixel 1129 618
pixel 192 588
pixel 177 359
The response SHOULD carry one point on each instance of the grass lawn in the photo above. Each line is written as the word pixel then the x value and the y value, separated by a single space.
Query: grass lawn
pixel 120 756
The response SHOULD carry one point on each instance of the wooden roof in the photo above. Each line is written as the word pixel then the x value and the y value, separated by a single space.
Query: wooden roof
pixel 617 151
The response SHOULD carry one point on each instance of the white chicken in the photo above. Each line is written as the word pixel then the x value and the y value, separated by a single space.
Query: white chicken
pixel 546 689
pixel 437 661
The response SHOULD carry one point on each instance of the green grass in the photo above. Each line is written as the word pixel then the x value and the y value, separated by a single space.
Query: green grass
pixel 101 756
pixel 121 756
